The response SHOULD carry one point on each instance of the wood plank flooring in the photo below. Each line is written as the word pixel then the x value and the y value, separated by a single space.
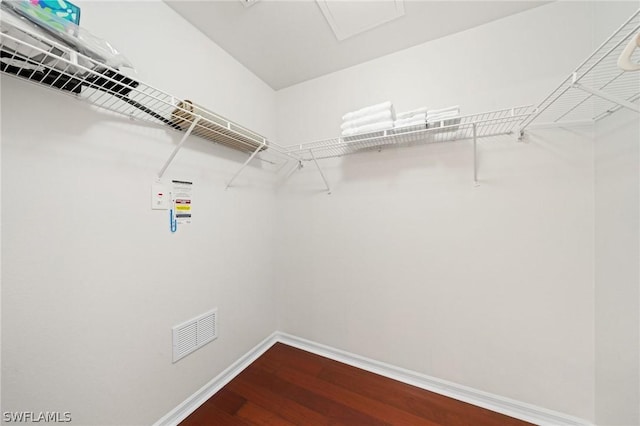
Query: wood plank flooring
pixel 287 386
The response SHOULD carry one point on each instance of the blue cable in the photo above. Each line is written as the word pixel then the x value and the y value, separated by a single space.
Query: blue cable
pixel 173 223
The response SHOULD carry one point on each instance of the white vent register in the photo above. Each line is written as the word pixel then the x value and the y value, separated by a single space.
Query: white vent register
pixel 194 334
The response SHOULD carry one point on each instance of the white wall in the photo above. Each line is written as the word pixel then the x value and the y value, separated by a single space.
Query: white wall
pixel 617 268
pixel 617 254
pixel 617 165
pixel 408 263
pixel 92 278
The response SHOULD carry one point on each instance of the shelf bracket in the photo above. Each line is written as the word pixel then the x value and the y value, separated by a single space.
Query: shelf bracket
pixel 599 93
pixel 246 163
pixel 475 154
pixel 297 167
pixel 178 147
pixel 321 174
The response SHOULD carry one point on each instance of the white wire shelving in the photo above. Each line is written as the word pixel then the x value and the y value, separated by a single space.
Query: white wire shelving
pixel 597 87
pixel 469 127
pixel 47 63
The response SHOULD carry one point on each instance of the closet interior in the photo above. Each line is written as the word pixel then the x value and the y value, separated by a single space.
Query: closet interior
pixel 280 256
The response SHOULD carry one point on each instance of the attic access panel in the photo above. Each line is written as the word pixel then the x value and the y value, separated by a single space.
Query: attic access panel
pixel 349 18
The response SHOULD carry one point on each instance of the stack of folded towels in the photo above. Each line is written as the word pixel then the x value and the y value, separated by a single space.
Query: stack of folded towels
pixel 444 116
pixel 369 119
pixel 415 117
pixel 427 118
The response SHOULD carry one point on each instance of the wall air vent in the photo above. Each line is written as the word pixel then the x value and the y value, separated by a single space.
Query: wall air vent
pixel 194 334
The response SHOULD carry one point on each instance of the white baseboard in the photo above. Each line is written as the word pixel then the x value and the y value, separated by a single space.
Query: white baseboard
pixel 188 406
pixel 507 406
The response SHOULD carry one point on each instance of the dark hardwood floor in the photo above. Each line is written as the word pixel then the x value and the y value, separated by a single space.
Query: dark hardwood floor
pixel 287 386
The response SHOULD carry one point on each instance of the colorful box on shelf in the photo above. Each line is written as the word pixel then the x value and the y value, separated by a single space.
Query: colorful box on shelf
pixel 60 8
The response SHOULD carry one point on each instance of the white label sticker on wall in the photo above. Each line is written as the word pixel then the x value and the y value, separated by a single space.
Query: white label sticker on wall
pixel 181 197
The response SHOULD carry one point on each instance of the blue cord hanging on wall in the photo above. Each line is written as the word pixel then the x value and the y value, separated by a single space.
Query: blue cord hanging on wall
pixel 173 222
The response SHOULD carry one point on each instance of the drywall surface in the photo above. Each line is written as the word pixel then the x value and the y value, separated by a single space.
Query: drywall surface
pixel 617 256
pixel 408 263
pixel 617 267
pixel 92 278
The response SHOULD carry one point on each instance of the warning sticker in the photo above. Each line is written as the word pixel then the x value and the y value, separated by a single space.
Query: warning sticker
pixel 181 194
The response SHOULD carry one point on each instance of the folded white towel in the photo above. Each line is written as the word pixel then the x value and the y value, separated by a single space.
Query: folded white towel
pixel 415 118
pixel 372 109
pixel 447 109
pixel 367 119
pixel 411 113
pixel 383 125
pixel 403 123
pixel 442 116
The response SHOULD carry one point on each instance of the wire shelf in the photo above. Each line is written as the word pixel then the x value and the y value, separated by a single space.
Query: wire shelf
pixel 574 99
pixel 493 123
pixel 37 59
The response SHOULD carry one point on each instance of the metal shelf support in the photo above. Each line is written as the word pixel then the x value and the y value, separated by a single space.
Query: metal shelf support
pixel 598 76
pixel 32 58
pixel 468 127
pixel 297 167
pixel 246 163
pixel 178 147
pixel 321 173
pixel 607 97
